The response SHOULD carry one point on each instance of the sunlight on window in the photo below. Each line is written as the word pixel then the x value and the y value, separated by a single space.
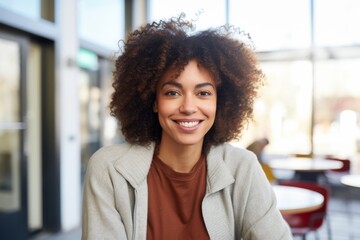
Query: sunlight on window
pixel 276 24
pixel 28 8
pixel 206 13
pixel 336 22
pixel 337 107
pixel 100 22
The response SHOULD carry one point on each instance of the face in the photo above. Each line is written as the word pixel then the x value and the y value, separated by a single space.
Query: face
pixel 186 105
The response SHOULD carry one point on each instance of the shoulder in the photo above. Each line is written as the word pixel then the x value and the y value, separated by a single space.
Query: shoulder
pixel 237 159
pixel 233 154
pixel 108 154
pixel 127 159
pixel 120 152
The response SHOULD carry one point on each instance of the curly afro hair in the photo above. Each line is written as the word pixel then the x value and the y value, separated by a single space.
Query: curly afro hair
pixel 150 51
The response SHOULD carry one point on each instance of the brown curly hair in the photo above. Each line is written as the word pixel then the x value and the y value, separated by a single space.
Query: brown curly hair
pixel 150 51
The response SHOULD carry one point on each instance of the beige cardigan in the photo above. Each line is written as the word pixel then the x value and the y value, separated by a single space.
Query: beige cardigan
pixel 239 201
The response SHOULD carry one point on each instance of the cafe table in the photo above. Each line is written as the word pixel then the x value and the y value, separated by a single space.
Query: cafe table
pixel 309 169
pixel 352 180
pixel 293 200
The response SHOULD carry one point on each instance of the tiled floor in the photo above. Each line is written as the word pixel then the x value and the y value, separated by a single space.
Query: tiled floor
pixel 344 217
pixel 71 235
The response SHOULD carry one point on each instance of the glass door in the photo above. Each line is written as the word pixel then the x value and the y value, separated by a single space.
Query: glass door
pixel 90 114
pixel 97 127
pixel 13 218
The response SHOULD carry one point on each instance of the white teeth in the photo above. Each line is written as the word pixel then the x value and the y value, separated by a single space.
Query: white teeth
pixel 189 124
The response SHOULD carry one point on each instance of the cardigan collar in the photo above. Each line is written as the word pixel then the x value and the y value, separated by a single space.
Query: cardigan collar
pixel 135 164
pixel 218 175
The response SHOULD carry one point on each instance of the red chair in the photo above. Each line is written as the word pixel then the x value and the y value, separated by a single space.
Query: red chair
pixel 303 223
pixel 346 164
pixel 332 177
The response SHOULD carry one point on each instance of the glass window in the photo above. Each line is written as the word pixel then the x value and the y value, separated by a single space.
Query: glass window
pixel 33 137
pixel 337 107
pixel 336 22
pixel 9 81
pixel 207 13
pixel 90 119
pixel 110 134
pixel 29 8
pixel 10 125
pixel 273 25
pixel 102 22
pixel 282 112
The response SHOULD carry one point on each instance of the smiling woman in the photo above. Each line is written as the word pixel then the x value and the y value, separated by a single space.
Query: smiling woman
pixel 186 108
pixel 179 98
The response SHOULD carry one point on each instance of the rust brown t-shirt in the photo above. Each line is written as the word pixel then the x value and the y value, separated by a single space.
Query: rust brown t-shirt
pixel 175 202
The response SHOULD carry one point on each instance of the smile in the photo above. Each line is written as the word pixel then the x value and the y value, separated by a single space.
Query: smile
pixel 188 124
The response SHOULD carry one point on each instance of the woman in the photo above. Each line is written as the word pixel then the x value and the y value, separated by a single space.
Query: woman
pixel 179 99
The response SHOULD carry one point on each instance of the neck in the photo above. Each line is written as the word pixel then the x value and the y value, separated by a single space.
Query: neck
pixel 180 158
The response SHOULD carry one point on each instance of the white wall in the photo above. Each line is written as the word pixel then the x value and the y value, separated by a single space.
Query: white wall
pixel 68 114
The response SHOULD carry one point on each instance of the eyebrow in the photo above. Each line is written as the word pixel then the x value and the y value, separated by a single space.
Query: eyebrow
pixel 179 85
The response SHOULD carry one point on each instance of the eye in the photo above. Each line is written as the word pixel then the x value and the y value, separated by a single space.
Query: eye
pixel 172 93
pixel 204 93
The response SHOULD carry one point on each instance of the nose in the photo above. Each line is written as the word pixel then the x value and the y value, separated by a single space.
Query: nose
pixel 188 105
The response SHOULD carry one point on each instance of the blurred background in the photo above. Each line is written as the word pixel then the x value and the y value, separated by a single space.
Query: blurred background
pixel 56 61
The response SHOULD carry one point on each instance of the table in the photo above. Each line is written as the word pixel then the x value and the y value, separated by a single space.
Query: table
pixel 352 180
pixel 306 168
pixel 292 200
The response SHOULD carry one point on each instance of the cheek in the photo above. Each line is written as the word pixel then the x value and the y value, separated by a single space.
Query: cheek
pixel 211 108
pixel 163 109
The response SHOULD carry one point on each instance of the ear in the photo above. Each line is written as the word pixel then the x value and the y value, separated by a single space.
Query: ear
pixel 155 107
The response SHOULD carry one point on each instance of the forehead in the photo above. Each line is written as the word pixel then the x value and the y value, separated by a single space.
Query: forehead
pixel 191 71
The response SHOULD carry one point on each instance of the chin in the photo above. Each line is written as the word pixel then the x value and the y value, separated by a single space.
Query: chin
pixel 191 142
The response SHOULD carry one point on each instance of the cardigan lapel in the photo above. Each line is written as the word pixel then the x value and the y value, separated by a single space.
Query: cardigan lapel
pixel 219 176
pixel 134 165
